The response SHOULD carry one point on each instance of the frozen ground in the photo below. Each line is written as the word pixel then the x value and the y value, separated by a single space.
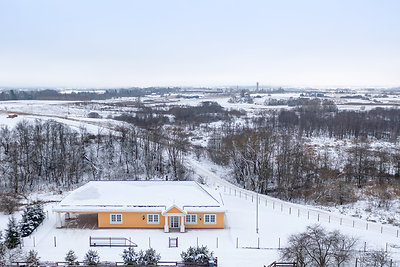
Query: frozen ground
pixel 236 245
pixel 277 219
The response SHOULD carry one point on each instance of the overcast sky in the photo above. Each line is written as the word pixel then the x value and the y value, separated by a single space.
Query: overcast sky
pixel 94 43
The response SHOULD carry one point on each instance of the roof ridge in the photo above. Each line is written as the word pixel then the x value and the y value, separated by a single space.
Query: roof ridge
pixel 208 193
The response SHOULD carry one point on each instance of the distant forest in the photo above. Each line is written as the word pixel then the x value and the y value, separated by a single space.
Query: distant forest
pixel 49 94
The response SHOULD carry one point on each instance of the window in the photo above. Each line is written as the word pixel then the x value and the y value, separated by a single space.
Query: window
pixel 191 219
pixel 115 218
pixel 153 219
pixel 210 218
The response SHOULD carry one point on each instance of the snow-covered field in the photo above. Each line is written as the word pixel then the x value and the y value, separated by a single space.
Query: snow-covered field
pixel 236 245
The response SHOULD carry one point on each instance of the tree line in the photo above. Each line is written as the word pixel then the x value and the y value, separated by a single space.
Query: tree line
pixel 316 117
pixel 272 161
pixel 51 94
pixel 36 153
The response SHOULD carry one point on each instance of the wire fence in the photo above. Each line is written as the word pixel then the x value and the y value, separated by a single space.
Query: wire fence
pixel 311 214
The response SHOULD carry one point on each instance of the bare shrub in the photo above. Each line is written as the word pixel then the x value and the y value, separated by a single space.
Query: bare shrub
pixel 9 203
pixel 378 258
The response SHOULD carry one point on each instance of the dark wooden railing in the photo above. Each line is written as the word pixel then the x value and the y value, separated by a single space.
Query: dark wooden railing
pixel 282 264
pixel 111 242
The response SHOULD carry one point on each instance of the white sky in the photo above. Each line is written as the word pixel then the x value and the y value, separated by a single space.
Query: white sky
pixel 96 43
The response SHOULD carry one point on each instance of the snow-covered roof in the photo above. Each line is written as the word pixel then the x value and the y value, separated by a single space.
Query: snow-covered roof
pixel 97 196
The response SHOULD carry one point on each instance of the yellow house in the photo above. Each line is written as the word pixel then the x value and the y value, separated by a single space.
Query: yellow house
pixel 146 204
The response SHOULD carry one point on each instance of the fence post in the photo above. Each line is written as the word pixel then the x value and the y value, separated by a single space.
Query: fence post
pixel 237 242
pixel 149 242
pixel 258 243
pixel 356 261
pixel 235 192
pixel 281 207
pixel 353 223
pixel 308 214
pixel 365 246
pixel 217 242
pixel 318 216
pixel 386 247
pixel 273 204
pixel 366 226
pixel 55 242
pixel 279 243
pixel 290 210
pixel 329 219
pixel 340 221
pixel 266 202
pixel 298 212
pixel 397 233
pixel 252 198
pixel 197 241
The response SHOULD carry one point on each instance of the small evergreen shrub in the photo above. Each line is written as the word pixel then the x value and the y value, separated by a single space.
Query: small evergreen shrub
pixel 148 257
pixel 70 257
pixel 2 250
pixel 12 237
pixel 91 257
pixel 32 259
pixel 197 255
pixel 129 256
pixel 32 217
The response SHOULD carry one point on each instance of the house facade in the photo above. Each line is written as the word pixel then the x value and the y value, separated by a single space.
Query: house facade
pixel 165 205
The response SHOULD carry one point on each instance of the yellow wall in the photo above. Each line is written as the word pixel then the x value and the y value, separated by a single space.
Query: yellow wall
pixel 129 220
pixel 200 223
pixel 135 220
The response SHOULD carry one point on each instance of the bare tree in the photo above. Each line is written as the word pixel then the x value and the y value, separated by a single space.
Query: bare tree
pixel 317 247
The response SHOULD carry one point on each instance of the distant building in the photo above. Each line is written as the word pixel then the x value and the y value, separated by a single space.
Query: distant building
pixel 145 204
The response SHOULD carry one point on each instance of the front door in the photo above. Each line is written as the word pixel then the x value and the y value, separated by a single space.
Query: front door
pixel 174 221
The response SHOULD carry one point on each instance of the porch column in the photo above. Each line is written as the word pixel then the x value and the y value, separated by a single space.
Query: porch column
pixel 166 228
pixel 183 224
pixel 58 220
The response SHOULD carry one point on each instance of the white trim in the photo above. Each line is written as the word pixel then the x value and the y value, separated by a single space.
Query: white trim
pixel 166 211
pixel 116 221
pixel 191 217
pixel 153 216
pixel 210 216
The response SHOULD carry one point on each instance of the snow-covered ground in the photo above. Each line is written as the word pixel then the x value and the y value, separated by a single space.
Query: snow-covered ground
pixel 236 245
pixel 277 219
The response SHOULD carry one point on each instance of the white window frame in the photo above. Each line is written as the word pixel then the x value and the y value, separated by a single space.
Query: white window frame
pixel 209 218
pixel 153 216
pixel 191 219
pixel 116 221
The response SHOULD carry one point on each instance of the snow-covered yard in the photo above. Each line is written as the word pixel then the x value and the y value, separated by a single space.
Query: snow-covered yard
pixel 236 245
